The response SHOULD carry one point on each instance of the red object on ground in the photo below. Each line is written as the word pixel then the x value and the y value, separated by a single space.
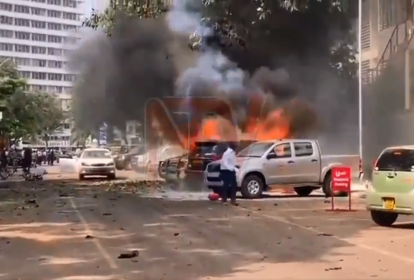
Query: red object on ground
pixel 213 196
pixel 341 183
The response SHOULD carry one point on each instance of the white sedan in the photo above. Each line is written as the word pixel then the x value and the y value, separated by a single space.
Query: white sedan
pixel 95 162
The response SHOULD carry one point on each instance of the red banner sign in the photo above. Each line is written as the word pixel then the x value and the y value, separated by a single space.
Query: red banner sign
pixel 341 179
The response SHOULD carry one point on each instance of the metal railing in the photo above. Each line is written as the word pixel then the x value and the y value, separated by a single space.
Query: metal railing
pixel 393 45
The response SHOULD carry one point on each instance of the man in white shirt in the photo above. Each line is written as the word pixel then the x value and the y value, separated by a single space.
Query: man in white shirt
pixel 228 171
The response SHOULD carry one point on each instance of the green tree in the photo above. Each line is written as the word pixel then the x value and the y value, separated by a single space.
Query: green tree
pixel 25 114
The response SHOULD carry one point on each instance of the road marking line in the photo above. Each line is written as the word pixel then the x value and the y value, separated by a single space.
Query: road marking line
pixel 357 244
pixel 104 254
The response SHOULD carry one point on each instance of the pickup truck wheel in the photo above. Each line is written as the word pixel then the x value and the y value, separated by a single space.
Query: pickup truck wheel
pixel 383 219
pixel 327 187
pixel 252 187
pixel 303 191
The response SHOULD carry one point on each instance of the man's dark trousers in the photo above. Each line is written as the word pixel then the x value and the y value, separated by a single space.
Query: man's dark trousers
pixel 229 185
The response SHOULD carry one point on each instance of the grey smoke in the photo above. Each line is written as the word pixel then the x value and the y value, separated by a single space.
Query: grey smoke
pixel 150 58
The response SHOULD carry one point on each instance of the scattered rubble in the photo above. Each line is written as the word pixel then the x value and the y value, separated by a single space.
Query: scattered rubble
pixel 129 255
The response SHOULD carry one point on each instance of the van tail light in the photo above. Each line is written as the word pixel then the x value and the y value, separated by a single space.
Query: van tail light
pixel 375 165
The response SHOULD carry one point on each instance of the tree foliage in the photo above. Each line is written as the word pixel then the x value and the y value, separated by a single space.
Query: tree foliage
pixel 25 114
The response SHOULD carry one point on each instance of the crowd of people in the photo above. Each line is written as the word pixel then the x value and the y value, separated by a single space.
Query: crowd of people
pixel 27 157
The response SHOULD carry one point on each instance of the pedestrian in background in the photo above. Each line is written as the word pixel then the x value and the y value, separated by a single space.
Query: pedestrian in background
pixel 228 171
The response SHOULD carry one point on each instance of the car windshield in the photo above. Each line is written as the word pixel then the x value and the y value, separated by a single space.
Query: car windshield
pixel 96 154
pixel 396 160
pixel 255 150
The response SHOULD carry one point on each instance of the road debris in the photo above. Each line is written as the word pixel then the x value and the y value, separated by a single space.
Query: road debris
pixel 129 255
pixel 325 234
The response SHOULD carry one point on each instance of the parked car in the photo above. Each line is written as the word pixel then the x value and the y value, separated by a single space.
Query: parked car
pixel 150 160
pixel 95 162
pixel 170 169
pixel 203 154
pixel 391 192
pixel 123 160
pixel 286 163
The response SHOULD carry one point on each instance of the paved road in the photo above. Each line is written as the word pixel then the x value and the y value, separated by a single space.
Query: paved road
pixel 55 231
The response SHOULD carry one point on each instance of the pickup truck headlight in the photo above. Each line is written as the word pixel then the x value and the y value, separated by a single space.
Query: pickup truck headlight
pixel 84 164
pixel 110 164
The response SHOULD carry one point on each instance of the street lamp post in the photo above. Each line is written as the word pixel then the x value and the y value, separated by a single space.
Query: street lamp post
pixel 360 77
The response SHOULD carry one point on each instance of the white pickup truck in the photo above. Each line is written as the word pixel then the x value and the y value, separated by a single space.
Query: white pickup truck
pixel 296 163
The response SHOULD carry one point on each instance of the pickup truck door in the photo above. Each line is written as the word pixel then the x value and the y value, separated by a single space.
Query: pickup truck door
pixel 307 162
pixel 280 168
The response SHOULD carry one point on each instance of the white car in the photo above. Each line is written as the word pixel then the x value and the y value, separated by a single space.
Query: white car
pixel 96 162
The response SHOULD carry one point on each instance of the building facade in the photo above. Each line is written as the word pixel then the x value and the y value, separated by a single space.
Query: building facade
pixel 38 35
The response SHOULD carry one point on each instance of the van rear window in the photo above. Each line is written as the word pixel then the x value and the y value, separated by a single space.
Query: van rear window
pixel 396 160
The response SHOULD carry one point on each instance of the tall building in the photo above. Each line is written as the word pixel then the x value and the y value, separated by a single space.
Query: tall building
pixel 37 35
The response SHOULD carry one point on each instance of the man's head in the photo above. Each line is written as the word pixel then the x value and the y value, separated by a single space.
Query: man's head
pixel 232 145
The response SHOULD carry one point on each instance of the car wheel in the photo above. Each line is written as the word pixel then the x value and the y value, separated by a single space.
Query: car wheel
pixel 303 191
pixel 252 187
pixel 327 187
pixel 81 177
pixel 111 176
pixel 384 219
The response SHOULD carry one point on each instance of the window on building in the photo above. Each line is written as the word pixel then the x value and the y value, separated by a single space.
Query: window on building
pixel 54 89
pixel 66 126
pixel 6 7
pixel 54 26
pixel 39 50
pixel 6 20
pixel 39 88
pixel 391 13
pixel 38 11
pixel 70 27
pixel 39 1
pixel 69 78
pixel 55 64
pixel 24 74
pixel 39 63
pixel 38 24
pixel 70 16
pixel 55 2
pixel 22 9
pixel 22 35
pixel 38 37
pixel 69 3
pixel 54 51
pixel 6 47
pixel 70 40
pixel 6 33
pixel 22 48
pixel 23 61
pixel 22 22
pixel 54 14
pixel 66 104
pixel 67 90
pixel 54 77
pixel 38 76
pixel 54 39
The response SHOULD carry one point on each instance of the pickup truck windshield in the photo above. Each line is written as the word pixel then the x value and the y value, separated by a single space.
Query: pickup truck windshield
pixel 255 150
pixel 396 160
